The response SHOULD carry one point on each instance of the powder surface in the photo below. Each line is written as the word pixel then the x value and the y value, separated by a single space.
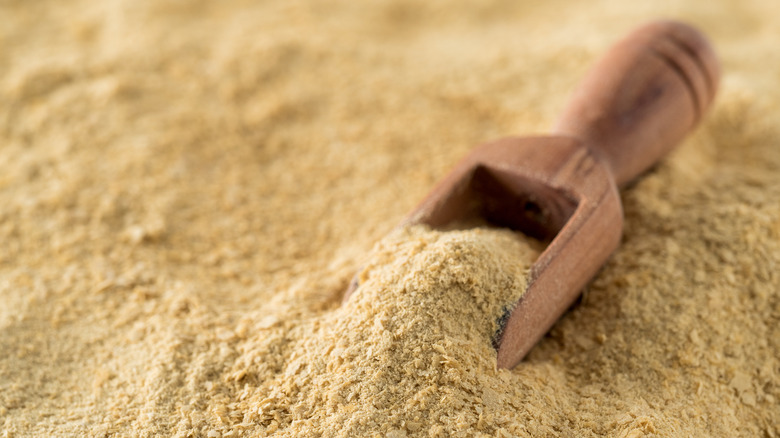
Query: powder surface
pixel 411 348
pixel 187 187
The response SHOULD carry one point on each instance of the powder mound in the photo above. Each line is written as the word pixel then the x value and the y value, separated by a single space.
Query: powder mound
pixel 464 279
pixel 410 353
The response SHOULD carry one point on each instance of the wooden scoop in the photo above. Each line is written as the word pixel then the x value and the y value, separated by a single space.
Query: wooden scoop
pixel 635 105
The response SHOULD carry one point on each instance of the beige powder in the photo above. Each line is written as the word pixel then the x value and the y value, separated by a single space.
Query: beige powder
pixel 412 347
pixel 186 188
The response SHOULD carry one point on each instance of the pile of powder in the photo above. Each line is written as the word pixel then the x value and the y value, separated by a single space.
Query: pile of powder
pixel 411 348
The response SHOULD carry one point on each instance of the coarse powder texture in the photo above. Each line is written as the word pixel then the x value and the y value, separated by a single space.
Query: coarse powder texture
pixel 187 188
pixel 410 352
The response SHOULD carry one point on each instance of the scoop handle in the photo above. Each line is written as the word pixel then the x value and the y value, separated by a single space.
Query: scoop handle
pixel 642 97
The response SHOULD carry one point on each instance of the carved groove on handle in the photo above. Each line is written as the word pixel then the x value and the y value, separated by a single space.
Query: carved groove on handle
pixel 642 97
